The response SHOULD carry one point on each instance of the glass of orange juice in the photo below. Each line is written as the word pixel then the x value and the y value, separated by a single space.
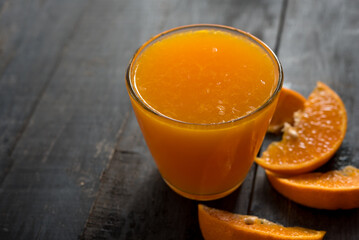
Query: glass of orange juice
pixel 203 96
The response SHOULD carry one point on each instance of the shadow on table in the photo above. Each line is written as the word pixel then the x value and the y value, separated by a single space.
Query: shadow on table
pixel 157 212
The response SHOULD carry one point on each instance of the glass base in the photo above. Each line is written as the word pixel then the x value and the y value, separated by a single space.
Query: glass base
pixel 203 197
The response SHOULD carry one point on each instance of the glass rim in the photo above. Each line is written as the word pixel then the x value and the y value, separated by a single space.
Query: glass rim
pixel 249 36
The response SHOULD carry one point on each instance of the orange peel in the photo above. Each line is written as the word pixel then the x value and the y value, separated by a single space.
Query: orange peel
pixel 331 190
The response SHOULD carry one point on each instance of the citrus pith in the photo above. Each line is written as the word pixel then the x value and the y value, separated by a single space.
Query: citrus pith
pixel 289 102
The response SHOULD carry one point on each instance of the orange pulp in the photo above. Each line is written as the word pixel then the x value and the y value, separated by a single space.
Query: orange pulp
pixel 190 88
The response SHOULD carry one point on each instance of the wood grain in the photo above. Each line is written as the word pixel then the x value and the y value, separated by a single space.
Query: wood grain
pixel 30 51
pixel 133 201
pixel 75 116
pixel 73 162
pixel 319 43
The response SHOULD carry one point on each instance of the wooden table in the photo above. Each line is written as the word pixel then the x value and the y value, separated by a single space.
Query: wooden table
pixel 73 163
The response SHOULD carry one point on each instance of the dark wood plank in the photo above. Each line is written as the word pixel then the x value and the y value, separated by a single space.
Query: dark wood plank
pixel 319 43
pixel 32 36
pixel 75 117
pixel 133 201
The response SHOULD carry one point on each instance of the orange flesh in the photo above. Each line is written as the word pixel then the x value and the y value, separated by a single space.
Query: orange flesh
pixel 204 76
pixel 320 129
pixel 260 225
pixel 346 178
pixel 289 102
pixel 218 224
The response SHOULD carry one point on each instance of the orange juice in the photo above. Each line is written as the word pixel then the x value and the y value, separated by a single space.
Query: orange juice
pixel 203 96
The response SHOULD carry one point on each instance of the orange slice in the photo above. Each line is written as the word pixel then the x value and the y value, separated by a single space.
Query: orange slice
pixel 289 102
pixel 331 190
pixel 317 134
pixel 217 224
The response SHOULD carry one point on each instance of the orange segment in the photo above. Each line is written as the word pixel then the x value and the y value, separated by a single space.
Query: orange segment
pixel 331 190
pixel 289 102
pixel 217 224
pixel 317 134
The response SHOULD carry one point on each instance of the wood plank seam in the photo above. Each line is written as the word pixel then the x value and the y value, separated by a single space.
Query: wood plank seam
pixel 252 188
pixel 103 174
pixel 276 51
pixel 280 27
pixel 118 137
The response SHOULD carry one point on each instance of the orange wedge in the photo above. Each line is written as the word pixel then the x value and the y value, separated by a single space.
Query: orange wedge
pixel 289 102
pixel 331 190
pixel 221 225
pixel 317 134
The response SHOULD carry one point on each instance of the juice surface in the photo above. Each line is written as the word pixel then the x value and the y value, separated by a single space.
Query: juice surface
pixel 204 76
